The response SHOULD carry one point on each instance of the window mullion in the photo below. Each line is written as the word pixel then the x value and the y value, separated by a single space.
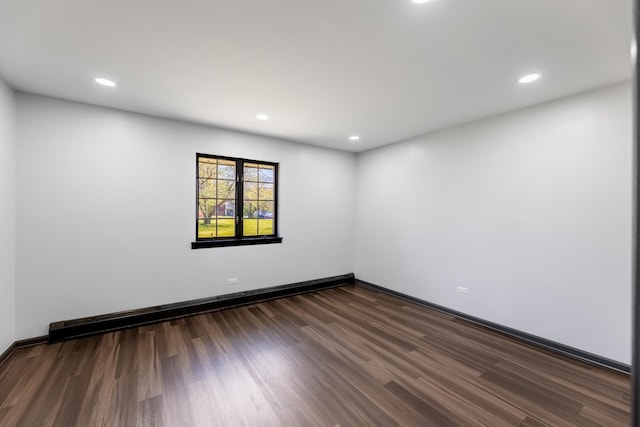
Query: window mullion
pixel 239 196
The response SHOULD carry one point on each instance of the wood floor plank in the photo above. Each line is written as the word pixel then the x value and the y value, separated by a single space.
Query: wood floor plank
pixel 96 403
pixel 149 382
pixel 151 413
pixel 348 356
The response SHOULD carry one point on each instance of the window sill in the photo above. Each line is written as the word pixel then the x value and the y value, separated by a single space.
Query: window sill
pixel 201 244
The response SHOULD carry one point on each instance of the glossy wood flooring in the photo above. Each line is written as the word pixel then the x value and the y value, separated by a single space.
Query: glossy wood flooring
pixel 348 356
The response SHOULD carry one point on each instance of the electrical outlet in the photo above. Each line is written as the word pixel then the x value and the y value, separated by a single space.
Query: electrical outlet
pixel 232 281
pixel 463 290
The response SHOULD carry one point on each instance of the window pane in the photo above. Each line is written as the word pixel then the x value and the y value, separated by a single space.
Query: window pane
pixel 250 227
pixel 266 173
pixel 265 192
pixel 207 188
pixel 226 227
pixel 206 210
pixel 265 210
pixel 250 172
pixel 250 191
pixel 226 208
pixel 249 209
pixel 265 226
pixel 207 167
pixel 226 170
pixel 206 228
pixel 226 189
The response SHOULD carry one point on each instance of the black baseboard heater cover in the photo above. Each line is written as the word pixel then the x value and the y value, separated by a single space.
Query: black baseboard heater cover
pixel 75 328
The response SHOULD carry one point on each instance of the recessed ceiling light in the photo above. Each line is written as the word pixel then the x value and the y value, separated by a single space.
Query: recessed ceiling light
pixel 354 138
pixel 420 1
pixel 634 50
pixel 105 82
pixel 262 117
pixel 530 78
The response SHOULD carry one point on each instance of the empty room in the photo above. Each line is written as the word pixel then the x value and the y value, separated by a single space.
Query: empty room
pixel 333 213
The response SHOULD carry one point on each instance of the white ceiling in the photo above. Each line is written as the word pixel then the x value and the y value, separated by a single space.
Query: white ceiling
pixel 322 70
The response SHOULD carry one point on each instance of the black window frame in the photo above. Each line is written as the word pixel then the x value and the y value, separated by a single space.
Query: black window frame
pixel 238 239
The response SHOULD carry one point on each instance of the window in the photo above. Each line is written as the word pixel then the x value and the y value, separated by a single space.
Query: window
pixel 236 202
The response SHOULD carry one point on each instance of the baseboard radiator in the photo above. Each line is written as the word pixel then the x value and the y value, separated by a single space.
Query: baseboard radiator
pixel 75 328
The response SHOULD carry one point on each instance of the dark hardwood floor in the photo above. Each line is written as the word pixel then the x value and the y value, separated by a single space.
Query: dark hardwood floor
pixel 348 356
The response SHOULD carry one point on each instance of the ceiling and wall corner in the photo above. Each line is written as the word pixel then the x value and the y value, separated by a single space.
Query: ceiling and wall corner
pixel 322 71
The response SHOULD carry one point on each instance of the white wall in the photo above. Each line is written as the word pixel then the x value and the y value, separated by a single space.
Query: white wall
pixel 530 210
pixel 7 216
pixel 106 211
